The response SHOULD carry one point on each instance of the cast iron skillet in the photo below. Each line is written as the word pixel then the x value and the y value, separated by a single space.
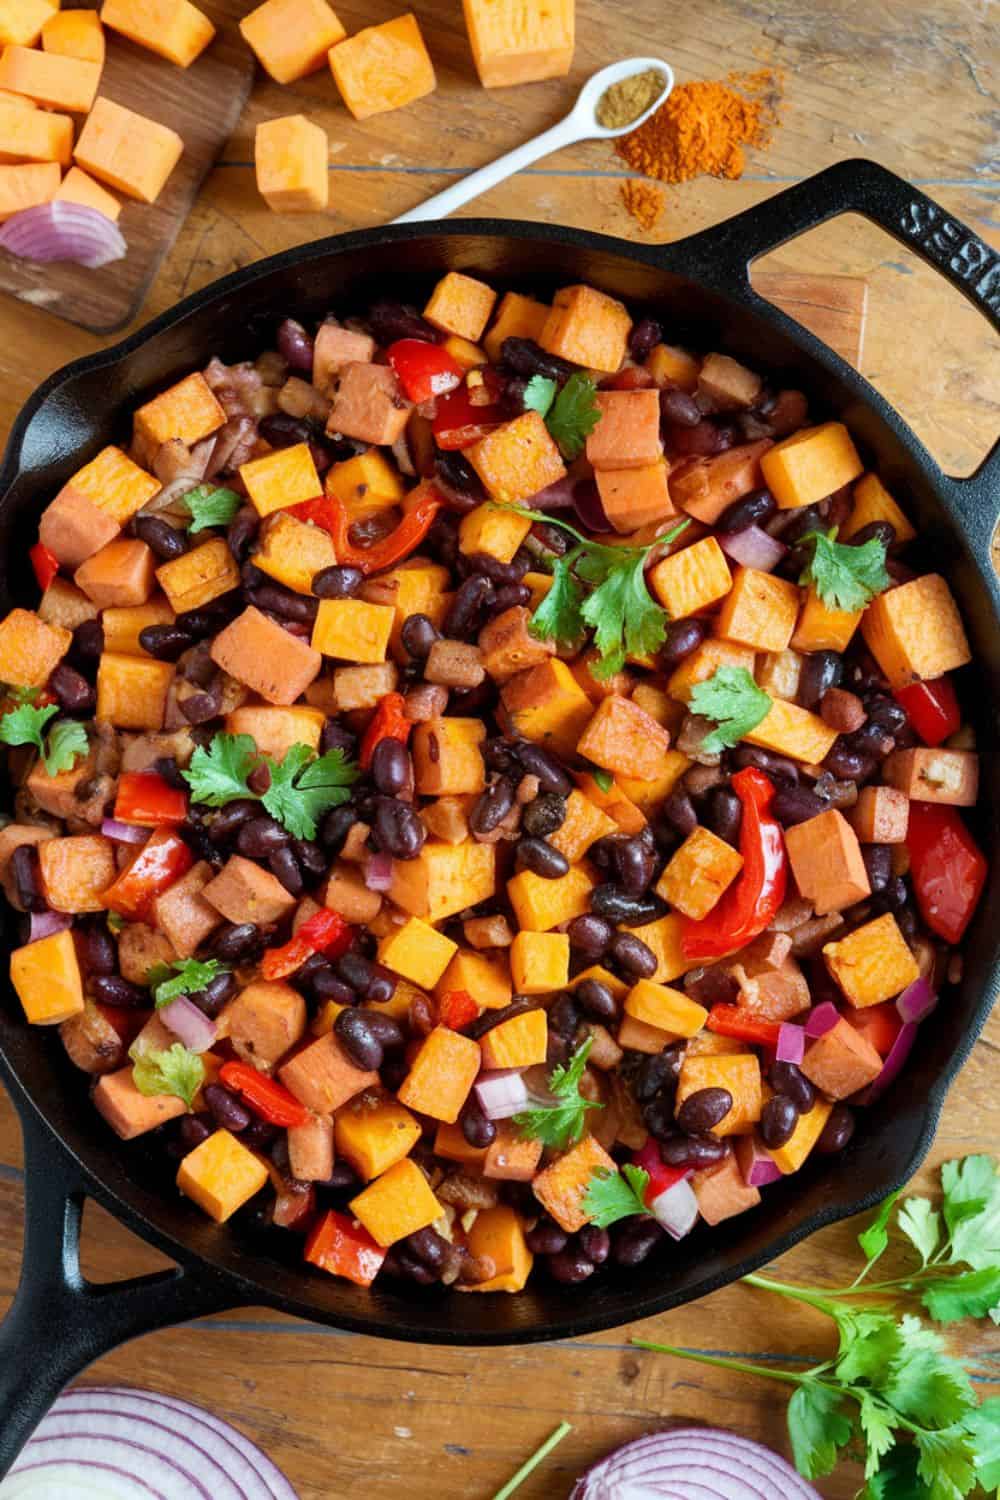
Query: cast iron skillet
pixel 60 1322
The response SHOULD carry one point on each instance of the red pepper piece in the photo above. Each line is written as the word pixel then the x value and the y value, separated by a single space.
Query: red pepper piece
pixel 736 1021
pixel 159 864
pixel 947 868
pixel 932 708
pixel 419 509
pixel 325 932
pixel 266 1098
pixel 144 797
pixel 751 903
pixel 45 564
pixel 881 1024
pixel 661 1177
pixel 389 722
pixel 460 422
pixel 456 1009
pixel 425 370
pixel 632 378
pixel 128 1022
pixel 339 1245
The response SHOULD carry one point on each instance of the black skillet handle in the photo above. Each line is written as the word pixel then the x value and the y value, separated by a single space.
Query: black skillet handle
pixel 58 1322
pixel 864 187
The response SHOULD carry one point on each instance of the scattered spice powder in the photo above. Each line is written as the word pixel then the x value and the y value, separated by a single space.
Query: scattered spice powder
pixel 703 128
pixel 643 200
pixel 626 100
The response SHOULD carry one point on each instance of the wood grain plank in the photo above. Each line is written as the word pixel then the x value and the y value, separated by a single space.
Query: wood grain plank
pixel 834 308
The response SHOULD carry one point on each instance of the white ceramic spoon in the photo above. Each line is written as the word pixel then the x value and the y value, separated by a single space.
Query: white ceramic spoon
pixel 581 124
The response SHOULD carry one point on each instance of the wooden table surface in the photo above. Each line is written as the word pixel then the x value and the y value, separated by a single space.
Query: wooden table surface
pixel 913 87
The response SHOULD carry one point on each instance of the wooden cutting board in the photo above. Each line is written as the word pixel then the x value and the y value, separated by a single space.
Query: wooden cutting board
pixel 834 308
pixel 203 104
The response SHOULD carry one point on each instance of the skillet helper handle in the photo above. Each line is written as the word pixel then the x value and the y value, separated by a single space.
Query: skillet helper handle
pixel 58 1322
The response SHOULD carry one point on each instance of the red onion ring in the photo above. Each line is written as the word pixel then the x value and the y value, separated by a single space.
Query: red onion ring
pixel 689 1463
pixel 63 231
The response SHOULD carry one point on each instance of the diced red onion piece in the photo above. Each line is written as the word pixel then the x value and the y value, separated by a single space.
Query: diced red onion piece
pixel 378 871
pixel 676 1209
pixel 124 833
pixel 753 548
pixel 45 923
pixel 894 1060
pixel 697 1463
pixel 63 231
pixel 821 1020
pixel 917 1000
pixel 755 1162
pixel 589 507
pixel 189 1024
pixel 501 1094
pixel 791 1043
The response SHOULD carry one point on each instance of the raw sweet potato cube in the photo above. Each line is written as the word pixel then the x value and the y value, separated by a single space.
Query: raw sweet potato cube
pixel 793 731
pixel 244 892
pixel 382 67
pixel 704 487
pixel 872 502
pixel 789 1157
pixel 667 1009
pixel 811 464
pixel 562 1187
pixel 722 1192
pixel 740 1074
pixel 21 21
pixel 441 1075
pixel 46 976
pixel 292 37
pixel 27 187
pixel 507 645
pixel 512 1157
pixel 821 628
pixel 517 317
pixel 183 914
pixel 174 29
pixel 291 156
pixel 487 980
pixel 447 760
pixel 826 862
pixel 322 1076
pixel 670 366
pixel 130 1113
pixel 444 879
pixel 34 135
pixel 498 1235
pixel 760 611
pixel 418 952
pixel 187 410
pixel 496 532
pixel 628 433
pixel 263 1021
pixel 58 82
pixel 698 872
pixel 540 904
pixel 460 305
pixel 635 497
pixel 692 579
pixel 520 1042
pixel 935 775
pixel 623 738
pixel 369 405
pixel 704 662
pixel 515 41
pixel 75 33
pixel 881 815
pixel 118 576
pixel 841 1061
pixel 582 826
pixel 282 478
pixel 76 871
pixel 517 460
pixel 373 1135
pixel 547 704
pixel 135 155
pixel 112 482
pixel 729 385
pixel 132 691
pixel 29 649
pixel 73 529
pixel 197 577
pixel 873 963
pixel 915 631
pixel 396 1204
pixel 79 187
pixel 265 657
pixel 221 1175
pixel 588 328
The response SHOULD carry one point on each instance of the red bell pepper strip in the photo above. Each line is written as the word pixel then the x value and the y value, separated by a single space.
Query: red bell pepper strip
pixel 144 797
pixel 266 1098
pixel 389 722
pixel 159 864
pixel 460 422
pixel 339 1245
pixel 947 868
pixel 738 1022
pixel 324 932
pixel 751 903
pixel 880 1024
pixel 661 1177
pixel 45 564
pixel 932 708
pixel 425 370
pixel 419 509
pixel 456 1009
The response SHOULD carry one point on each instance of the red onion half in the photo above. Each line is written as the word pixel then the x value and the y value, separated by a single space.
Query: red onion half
pixel 917 1000
pixel 378 871
pixel 693 1463
pixel 755 1162
pixel 64 231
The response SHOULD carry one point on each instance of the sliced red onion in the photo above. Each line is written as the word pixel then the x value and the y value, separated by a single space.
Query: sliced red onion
pixel 917 1000
pixel 693 1463
pixel 378 871
pixel 755 1162
pixel 46 923
pixel 502 1094
pixel 676 1209
pixel 894 1060
pixel 124 833
pixel 63 231
pixel 189 1024
pixel 753 548
pixel 791 1043
pixel 821 1019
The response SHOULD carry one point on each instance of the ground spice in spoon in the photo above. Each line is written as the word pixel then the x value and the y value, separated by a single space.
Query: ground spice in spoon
pixel 703 128
pixel 626 100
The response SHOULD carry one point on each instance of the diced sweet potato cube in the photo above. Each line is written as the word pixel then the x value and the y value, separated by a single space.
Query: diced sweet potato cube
pixel 704 487
pixel 373 1135
pixel 58 82
pixel 418 587
pixel 275 730
pixel 793 731
pixel 582 826
pixel 11 838
pixel 444 879
pixel 704 662
pixel 722 1192
pixel 174 29
pixel 881 815
pixel 789 1157
pixel 692 579
pixel 637 497
pixel 487 980
pixel 447 760
pixel 121 574
pixel 417 951
pixel 518 1043
pixel 739 1074
pixel 540 904
pixel 21 21
pixel 244 892
pixel 760 611
pixel 841 1061
pixel 79 187
pixel 352 630
pixel 259 653
pixel 496 532
pixel 441 1075
pixel 197 577
pixel 515 41
pixel 821 628
pixel 46 977
pixel 507 645
pixel 588 328
pixel 671 366
pixel 73 528
pixel 516 317
pixel 547 704
pixel 396 1204
pixel 122 627
pixel 665 1008
pixel 188 411
pixel 935 775
pixel 772 993
pixel 135 155
pixel 76 871
pixel 369 405
pixel 333 348
pixel 264 1021
pixel 698 873
pixel 311 1149
pixel 663 936
pixel 292 38
pixel 873 963
pixel 872 502
pixel 639 1036
pixel 183 913
pixel 826 862
pixel 779 674
pixel 614 801
pixel 291 158
pixel 132 692
pixel 282 478
pixel 623 738
pixel 460 305
pixel 562 1187
pixel 35 135
pixel 811 464
pixel 344 891
pixel 517 459
pixel 221 1175
pixel 728 384
pixel 628 433
pixel 29 649
pixel 130 1113
pixel 498 1235
pixel 382 67
pixel 648 794
pixel 915 631
pixel 322 1076
pixel 512 1157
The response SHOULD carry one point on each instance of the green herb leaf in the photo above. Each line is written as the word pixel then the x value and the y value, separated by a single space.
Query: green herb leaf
pixel 732 698
pixel 24 725
pixel 303 788
pixel 844 577
pixel 176 1071
pixel 67 741
pixel 875 1239
pixel 976 1294
pixel 539 394
pixel 946 1463
pixel 817 1427
pixel 209 506
pixel 984 1426
pixel 574 414
pixel 925 1382
pixel 869 1343
pixel 558 617
pixel 561 1123
pixel 921 1223
pixel 897 1479
pixel 972 1211
pixel 219 774
pixel 626 620
pixel 185 977
pixel 877 1423
pixel 611 1196
pixel 604 779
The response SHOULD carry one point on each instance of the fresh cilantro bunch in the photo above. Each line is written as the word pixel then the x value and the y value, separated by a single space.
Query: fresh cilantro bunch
pixel 844 577
pixel 176 1070
pixel 209 506
pixel 185 976
pixel 892 1386
pixel 58 749
pixel 626 621
pixel 571 414
pixel 561 1123
pixel 611 1196
pixel 303 786
pixel 732 698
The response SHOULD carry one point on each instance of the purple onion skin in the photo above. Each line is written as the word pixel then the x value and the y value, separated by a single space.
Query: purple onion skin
pixel 740 1466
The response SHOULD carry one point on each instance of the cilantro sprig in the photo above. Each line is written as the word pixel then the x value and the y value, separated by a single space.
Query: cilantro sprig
pixel 303 786
pixel 185 976
pixel 571 414
pixel 175 1070
pixel 58 749
pixel 844 577
pixel 209 506
pixel 892 1386
pixel 732 698
pixel 625 619
pixel 611 1196
pixel 561 1123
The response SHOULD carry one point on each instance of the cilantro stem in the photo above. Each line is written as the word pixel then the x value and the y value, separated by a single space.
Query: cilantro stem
pixel 788 1377
pixel 532 1463
pixel 814 1297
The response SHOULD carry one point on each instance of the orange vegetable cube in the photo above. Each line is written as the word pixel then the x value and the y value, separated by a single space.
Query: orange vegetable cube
pixel 498 1235
pixel 113 483
pixel 496 532
pixel 760 611
pixel 374 1136
pixel 873 963
pixel 30 649
pixel 826 861
pixel 517 460
pixel 293 551
pixel 562 1187
pixel 698 873
pixel 704 662
pixel 722 1192
pixel 60 82
pixel 130 1113
pixel 46 976
pixel 665 1008
pixel 622 737
pixel 793 731
pixel 447 760
pixel 588 328
pixel 417 951
pixel 604 976
pixel 627 435
pixel 739 1074
pixel 221 1175
pixel 174 29
pixel 33 135
pixel 516 317
pixel 789 1157
pixel 648 794
pixel 841 1061
pixel 444 879
pixel 382 67
pixel 692 579
pixel 119 575
pixel 511 1157
pixel 441 1075
pixel 915 631
pixel 75 33
pixel 195 578
pixel 450 1143
pixel 547 704
pixel 187 410
pixel 265 1019
pixel 136 155
pixel 487 980
pixel 872 502
pixel 615 802
pixel 821 628
pixel 27 186
pixel 507 646
pixel 263 656
pixel 368 404
pixel 935 775
pixel 291 156
pixel 540 904
pixel 365 483
pixel 520 1042
pixel 460 305
pixel 292 37
pixel 21 21
pixel 76 871
pixel 282 478
pixel 64 604
pixel 582 826
pixel 669 365
pixel 132 691
pixel 633 498
pixel 352 630
pixel 515 41
pixel 881 815
pixel 323 1077
pixel 810 465
pixel 704 487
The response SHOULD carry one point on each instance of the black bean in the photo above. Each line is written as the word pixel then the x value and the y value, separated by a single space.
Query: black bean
pixel 658 1115
pixel 635 865
pixel 693 1151
pixel 546 1238
pixel 836 1132
pixel 95 948
pixel 510 596
pixel 597 1000
pixel 703 1109
pixel 285 867
pixel 788 1079
pixel 878 863
pixel 872 739
pixel 310 856
pixel 634 1240
pixel 847 764
pixel 112 989
pixel 459 477
pixel 753 510
pixel 776 766
pixel 166 541
pixel 658 1071
pixel 427 1245
pixel 337 582
pixel 165 642
pixel 633 957
pixel 242 532
pixel 88 641
pixel 886 712
pixel 492 805
pixel 590 935
pixel 821 671
pixel 354 1031
pixel 570 1266
pixel 490 1018
pixel 238 942
pixel 27 874
pixel 595 1243
pixel 682 637
pixel 703 440
pixel 418 636
pixel 714 986
pixel 679 812
pixel 882 531
pixel 525 357
pixel 216 994
pixel 226 1109
pixel 796 804
pixel 356 970
pixel 467 611
pixel 492 568
pixel 477 1128
pixel 282 430
pixel 778 1120
pixel 724 814
pixel 259 837
pixel 285 603
pixel 541 859
pixel 335 827
pixel 390 321
pixel 295 346
pixel 71 688
pixel 679 409
pixel 643 339
pixel 390 766
pixel 564 1015
pixel 618 906
pixel 337 737
pixel 228 821
pixel 199 708
pixel 398 829
pixel 191 1131
pixel 542 763
pixel 544 815
pixel 399 1263
pixel 326 985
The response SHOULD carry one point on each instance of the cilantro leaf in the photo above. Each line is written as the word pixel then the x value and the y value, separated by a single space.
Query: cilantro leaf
pixel 626 620
pixel 209 506
pixel 732 698
pixel 844 577
pixel 303 788
pixel 897 1479
pixel 877 1423
pixel 603 779
pixel 611 1196
pixel 972 1211
pixel 558 616
pixel 984 1425
pixel 976 1294
pixel 817 1427
pixel 67 741
pixel 562 1122
pixel 921 1223
pixel 869 1342
pixel 946 1463
pixel 874 1240
pixel 539 394
pixel 924 1382
pixel 176 1071
pixel 185 977
pixel 219 774
pixel 24 725
pixel 574 414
